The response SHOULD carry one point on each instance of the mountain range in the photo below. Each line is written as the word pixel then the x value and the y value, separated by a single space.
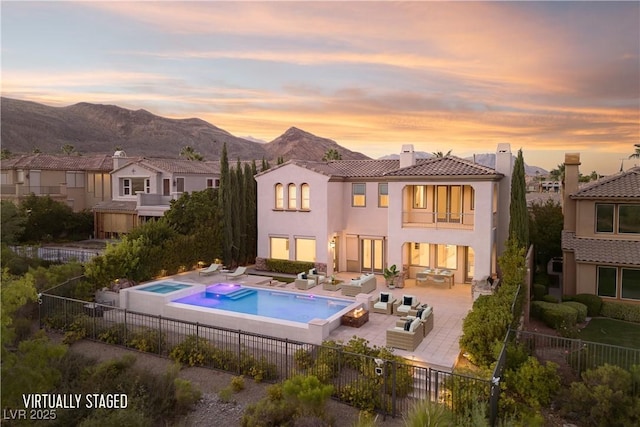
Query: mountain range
pixel 102 129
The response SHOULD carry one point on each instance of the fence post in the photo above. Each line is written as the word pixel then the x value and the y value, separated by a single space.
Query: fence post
pixel 579 357
pixel 239 352
pixel 126 328
pixel 159 334
pixel 197 336
pixel 286 357
pixel 393 389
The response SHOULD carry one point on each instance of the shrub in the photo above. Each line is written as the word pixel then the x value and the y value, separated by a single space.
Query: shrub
pixel 539 291
pixel 621 311
pixel 237 383
pixel 303 359
pixel 288 267
pixel 148 340
pixel 426 413
pixel 604 397
pixel 580 308
pixel 362 393
pixel 114 334
pixel 272 410
pixel 186 395
pixel 554 315
pixel 593 303
pixel 308 393
pixel 225 395
pixel 531 386
pixel 193 351
pixel 549 298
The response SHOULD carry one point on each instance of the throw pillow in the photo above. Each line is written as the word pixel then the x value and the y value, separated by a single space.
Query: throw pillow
pixel 384 297
pixel 407 301
pixel 407 325
pixel 314 271
pixel 414 325
pixel 304 276
pixel 419 313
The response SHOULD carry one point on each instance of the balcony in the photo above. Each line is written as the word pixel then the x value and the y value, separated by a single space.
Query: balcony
pixel 438 220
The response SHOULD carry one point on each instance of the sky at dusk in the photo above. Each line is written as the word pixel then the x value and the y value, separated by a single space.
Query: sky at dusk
pixel 547 77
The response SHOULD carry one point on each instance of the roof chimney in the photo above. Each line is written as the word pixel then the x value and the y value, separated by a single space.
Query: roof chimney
pixel 407 156
pixel 119 159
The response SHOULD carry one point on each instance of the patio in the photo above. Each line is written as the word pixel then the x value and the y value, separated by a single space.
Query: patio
pixel 439 349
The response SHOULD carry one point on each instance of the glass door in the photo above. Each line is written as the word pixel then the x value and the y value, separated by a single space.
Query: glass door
pixel 371 251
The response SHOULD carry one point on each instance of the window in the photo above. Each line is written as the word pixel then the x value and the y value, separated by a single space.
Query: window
pixel 607 286
pixel 279 196
pixel 180 185
pixel 147 186
pixel 604 218
pixel 358 194
pixel 292 192
pixel 471 193
pixel 631 283
pixel 279 247
pixel 419 196
pixel 383 195
pixel 447 256
pixel 449 203
pixel 420 254
pixel 305 249
pixel 304 194
pixel 75 179
pixel 132 185
pixel 629 219
pixel 126 187
pixel 209 182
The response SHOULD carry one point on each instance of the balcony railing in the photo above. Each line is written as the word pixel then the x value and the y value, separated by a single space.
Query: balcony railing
pixel 147 199
pixel 425 219
pixel 20 190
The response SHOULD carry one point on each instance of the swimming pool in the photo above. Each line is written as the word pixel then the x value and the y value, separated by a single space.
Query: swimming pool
pixel 264 302
pixel 164 287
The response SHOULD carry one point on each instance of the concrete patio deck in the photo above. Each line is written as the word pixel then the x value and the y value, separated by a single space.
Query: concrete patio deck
pixel 439 349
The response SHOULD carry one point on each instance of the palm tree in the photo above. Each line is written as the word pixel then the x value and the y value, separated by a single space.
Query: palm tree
pixel 440 154
pixel 190 154
pixel 636 155
pixel 68 149
pixel 331 154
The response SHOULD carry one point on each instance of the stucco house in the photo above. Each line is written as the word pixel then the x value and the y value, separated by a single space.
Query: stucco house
pixel 365 215
pixel 142 188
pixel 78 181
pixel 601 235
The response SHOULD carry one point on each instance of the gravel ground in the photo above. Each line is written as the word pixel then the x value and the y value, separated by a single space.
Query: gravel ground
pixel 210 411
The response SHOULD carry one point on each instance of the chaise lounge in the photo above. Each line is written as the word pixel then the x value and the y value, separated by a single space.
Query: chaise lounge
pixel 363 285
pixel 240 271
pixel 212 269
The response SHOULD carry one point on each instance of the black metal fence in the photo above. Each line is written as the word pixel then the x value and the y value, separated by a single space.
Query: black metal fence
pixel 388 386
pixel 56 254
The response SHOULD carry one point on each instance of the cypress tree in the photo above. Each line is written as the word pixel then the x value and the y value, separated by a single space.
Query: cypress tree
pixel 224 209
pixel 251 218
pixel 519 220
pixel 239 203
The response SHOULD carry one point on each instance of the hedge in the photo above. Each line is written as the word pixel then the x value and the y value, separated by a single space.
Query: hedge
pixel 579 307
pixel 539 291
pixel 287 266
pixel 554 315
pixel 621 311
pixel 593 303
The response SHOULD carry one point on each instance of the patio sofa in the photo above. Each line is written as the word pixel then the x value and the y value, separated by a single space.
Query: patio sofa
pixel 304 282
pixel 406 335
pixel 362 285
pixel 425 314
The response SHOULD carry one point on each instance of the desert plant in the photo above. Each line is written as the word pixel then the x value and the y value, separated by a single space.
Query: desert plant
pixel 237 383
pixel 308 393
pixel 426 413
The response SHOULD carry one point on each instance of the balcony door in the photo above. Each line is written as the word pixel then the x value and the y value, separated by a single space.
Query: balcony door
pixel 371 255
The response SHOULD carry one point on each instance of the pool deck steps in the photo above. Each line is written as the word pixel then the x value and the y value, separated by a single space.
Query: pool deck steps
pixel 241 293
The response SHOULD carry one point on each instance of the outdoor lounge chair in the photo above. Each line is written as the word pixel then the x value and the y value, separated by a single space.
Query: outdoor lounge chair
pixel 383 304
pixel 424 313
pixel 212 269
pixel 304 281
pixel 406 335
pixel 402 306
pixel 240 271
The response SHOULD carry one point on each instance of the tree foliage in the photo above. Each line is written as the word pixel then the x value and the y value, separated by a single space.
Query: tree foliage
pixel 546 221
pixel 331 154
pixel 519 216
pixel 48 219
pixel 12 224
pixel 189 153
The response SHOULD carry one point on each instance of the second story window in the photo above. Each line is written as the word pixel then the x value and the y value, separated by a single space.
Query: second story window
pixel 358 194
pixel 180 185
pixel 419 196
pixel 292 192
pixel 623 219
pixel 126 187
pixel 130 186
pixel 147 186
pixel 304 190
pixel 629 219
pixel 279 196
pixel 383 195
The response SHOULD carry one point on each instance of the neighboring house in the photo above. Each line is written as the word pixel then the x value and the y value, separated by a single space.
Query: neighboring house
pixel 78 181
pixel 142 188
pixel 365 215
pixel 601 236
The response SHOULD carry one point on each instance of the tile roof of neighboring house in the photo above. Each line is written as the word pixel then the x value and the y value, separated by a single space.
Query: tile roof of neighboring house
pixel 623 185
pixel 177 165
pixel 437 166
pixel 606 251
pixel 41 161
pixel 116 206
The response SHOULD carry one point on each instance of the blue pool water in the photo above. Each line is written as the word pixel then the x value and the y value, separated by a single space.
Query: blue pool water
pixel 264 302
pixel 164 287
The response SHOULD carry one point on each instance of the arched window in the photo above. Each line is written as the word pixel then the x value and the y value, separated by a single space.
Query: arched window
pixel 293 202
pixel 304 190
pixel 279 196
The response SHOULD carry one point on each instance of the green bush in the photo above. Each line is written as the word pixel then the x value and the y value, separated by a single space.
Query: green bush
pixel 272 410
pixel 114 334
pixel 237 383
pixel 186 395
pixel 580 308
pixel 193 351
pixel 608 395
pixel 593 303
pixel 308 393
pixel 148 340
pixel 362 393
pixel 549 298
pixel 554 315
pixel 425 413
pixel 621 311
pixel 287 266
pixel 529 387
pixel 303 359
pixel 539 291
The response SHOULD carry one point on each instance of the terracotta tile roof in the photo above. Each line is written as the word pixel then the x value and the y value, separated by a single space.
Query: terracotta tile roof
pixel 604 251
pixel 444 166
pixel 184 166
pixel 623 185
pixel 439 166
pixel 116 206
pixel 102 162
